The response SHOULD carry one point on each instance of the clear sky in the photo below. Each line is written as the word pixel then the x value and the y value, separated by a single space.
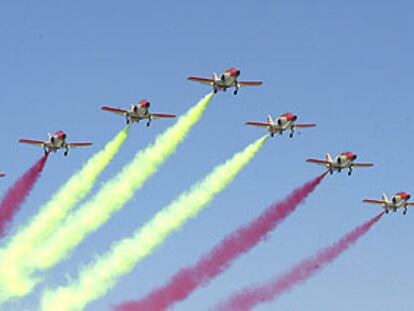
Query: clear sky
pixel 346 65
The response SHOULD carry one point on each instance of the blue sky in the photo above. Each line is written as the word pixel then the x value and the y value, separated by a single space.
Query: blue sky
pixel 344 65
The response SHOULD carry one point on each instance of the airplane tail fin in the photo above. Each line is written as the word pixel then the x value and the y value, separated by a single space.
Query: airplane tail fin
pixel 270 120
pixel 385 198
pixel 215 76
pixel 328 157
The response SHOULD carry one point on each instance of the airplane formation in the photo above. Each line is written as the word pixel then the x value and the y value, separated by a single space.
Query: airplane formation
pixel 285 122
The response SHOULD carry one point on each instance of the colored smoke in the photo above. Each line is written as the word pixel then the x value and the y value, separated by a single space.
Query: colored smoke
pixel 18 193
pixel 182 284
pixel 111 197
pixel 249 298
pixel 50 216
pixel 97 278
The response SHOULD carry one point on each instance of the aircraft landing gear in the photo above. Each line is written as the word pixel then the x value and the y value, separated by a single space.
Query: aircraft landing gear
pixel 291 134
pixel 66 153
pixel 272 134
pixel 405 211
pixel 235 91
pixel 350 172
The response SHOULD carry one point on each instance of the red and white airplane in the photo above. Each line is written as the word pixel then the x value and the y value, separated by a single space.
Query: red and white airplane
pixel 283 123
pixel 139 112
pixel 399 200
pixel 55 142
pixel 226 80
pixel 343 161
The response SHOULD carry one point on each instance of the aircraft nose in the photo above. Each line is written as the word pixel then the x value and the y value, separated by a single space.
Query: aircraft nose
pixel 354 157
pixel 238 72
pixel 408 196
pixel 295 117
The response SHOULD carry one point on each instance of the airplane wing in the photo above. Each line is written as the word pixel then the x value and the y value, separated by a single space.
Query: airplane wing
pixel 302 126
pixel 201 80
pixel 375 202
pixel 32 142
pixel 319 162
pixel 258 124
pixel 362 164
pixel 121 112
pixel 250 83
pixel 77 145
pixel 155 116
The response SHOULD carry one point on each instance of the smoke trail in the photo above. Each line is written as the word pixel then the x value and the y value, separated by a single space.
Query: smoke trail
pixel 113 195
pixel 50 216
pixel 248 298
pixel 95 280
pixel 182 284
pixel 18 193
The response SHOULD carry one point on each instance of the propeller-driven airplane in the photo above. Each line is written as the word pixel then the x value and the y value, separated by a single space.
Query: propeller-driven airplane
pixel 283 123
pixel 55 142
pixel 399 200
pixel 139 112
pixel 343 161
pixel 228 79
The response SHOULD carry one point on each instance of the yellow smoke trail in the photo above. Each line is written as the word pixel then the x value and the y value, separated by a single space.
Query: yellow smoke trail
pixel 95 280
pixel 52 214
pixel 111 197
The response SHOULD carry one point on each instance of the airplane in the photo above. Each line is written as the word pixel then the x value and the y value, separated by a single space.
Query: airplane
pixel 399 200
pixel 139 112
pixel 2 174
pixel 55 142
pixel 226 80
pixel 283 123
pixel 343 161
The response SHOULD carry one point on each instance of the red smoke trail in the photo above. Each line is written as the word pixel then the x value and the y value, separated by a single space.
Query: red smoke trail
pixel 17 194
pixel 221 257
pixel 251 297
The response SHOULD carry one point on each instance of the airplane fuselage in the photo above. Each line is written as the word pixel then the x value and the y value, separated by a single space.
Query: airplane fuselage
pixel 226 80
pixel 397 202
pixel 281 125
pixel 342 161
pixel 55 142
pixel 137 113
